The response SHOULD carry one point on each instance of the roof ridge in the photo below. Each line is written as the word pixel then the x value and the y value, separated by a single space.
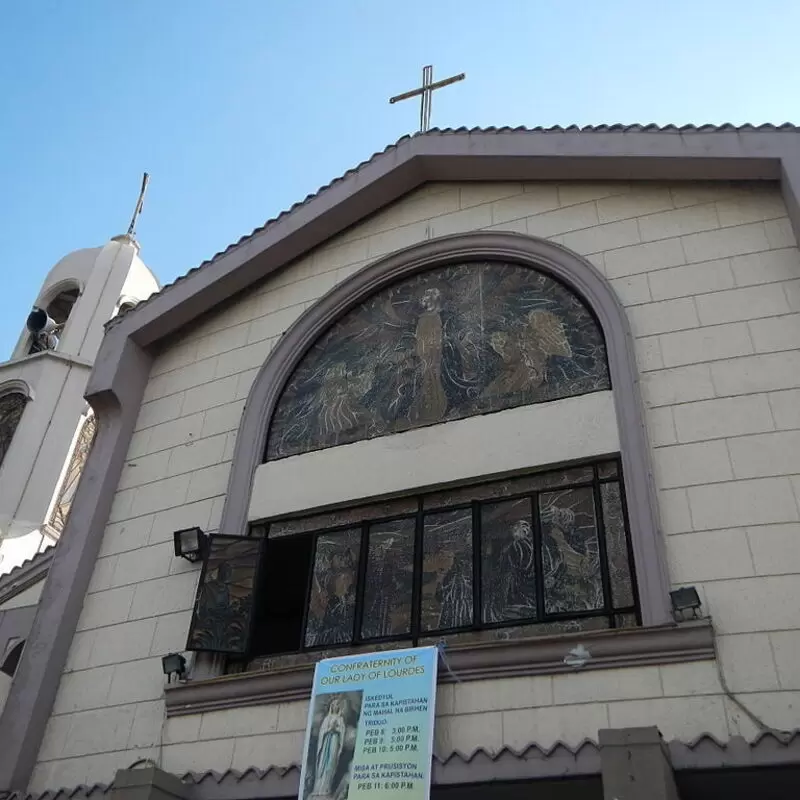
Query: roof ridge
pixel 617 127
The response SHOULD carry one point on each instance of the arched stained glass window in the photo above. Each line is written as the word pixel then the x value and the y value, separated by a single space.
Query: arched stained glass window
pixel 69 485
pixel 11 407
pixel 445 344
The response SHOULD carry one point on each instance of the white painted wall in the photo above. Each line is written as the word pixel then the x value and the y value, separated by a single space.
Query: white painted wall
pixel 492 444
pixel 710 277
pixel 33 464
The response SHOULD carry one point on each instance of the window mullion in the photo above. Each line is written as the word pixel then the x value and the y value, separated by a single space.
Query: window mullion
pixel 605 577
pixel 477 555
pixel 416 590
pixel 361 581
pixel 629 543
pixel 536 524
pixel 309 586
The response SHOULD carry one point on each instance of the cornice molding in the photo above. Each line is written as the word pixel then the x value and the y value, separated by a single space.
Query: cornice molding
pixel 544 655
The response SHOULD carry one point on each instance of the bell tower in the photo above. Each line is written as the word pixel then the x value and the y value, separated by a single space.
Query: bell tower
pixel 46 427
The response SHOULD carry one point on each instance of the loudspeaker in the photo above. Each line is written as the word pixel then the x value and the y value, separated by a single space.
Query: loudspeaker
pixel 39 322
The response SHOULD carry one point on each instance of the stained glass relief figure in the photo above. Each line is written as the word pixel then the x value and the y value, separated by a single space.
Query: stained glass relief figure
pixel 11 407
pixel 224 604
pixel 444 344
pixel 389 579
pixel 447 571
pixel 331 609
pixel 616 545
pixel 430 401
pixel 508 561
pixel 570 552
pixel 66 494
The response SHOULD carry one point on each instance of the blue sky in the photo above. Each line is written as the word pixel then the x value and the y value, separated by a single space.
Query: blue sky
pixel 239 108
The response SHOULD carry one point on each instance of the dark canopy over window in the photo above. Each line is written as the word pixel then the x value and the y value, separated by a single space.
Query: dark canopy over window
pixel 11 407
pixel 444 344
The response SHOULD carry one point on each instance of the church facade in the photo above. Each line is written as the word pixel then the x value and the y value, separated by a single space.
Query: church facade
pixel 528 395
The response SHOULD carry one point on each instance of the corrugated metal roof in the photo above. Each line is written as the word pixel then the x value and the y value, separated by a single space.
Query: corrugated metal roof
pixel 704 752
pixel 29 571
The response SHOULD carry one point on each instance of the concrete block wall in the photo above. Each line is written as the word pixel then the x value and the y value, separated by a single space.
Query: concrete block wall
pixel 710 276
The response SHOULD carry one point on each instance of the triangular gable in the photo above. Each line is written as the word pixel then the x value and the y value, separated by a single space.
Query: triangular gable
pixel 614 152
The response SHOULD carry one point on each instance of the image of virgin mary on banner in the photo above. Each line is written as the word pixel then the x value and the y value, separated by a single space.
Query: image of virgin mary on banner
pixel 333 731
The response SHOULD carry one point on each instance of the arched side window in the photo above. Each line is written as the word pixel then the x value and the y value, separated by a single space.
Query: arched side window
pixel 452 328
pixel 448 343
pixel 11 661
pixel 12 405
pixel 58 310
pixel 125 304
pixel 60 307
pixel 69 484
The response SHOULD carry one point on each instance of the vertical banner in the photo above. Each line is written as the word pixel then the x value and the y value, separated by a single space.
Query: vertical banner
pixel 370 727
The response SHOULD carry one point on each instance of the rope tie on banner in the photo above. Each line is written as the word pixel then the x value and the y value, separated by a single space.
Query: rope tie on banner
pixel 441 646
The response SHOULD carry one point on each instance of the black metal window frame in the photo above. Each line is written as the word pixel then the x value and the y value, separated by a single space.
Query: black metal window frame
pixel 415 634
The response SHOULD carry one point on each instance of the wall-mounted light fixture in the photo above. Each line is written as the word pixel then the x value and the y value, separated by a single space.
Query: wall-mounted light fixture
pixel 173 664
pixel 683 600
pixel 190 543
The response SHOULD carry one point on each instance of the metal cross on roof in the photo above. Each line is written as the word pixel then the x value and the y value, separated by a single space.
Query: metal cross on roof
pixel 426 93
pixel 139 206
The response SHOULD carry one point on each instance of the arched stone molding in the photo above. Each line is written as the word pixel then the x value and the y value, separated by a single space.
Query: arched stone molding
pixel 16 386
pixel 49 293
pixel 125 303
pixel 553 259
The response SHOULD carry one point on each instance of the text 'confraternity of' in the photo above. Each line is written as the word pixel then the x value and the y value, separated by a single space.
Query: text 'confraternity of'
pixel 373 669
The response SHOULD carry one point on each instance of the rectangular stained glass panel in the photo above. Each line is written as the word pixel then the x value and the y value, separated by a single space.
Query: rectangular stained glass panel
pixel 508 563
pixel 570 552
pixel 331 608
pixel 447 571
pixel 342 517
pixel 224 603
pixel 508 488
pixel 616 545
pixel 389 579
pixel 608 469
